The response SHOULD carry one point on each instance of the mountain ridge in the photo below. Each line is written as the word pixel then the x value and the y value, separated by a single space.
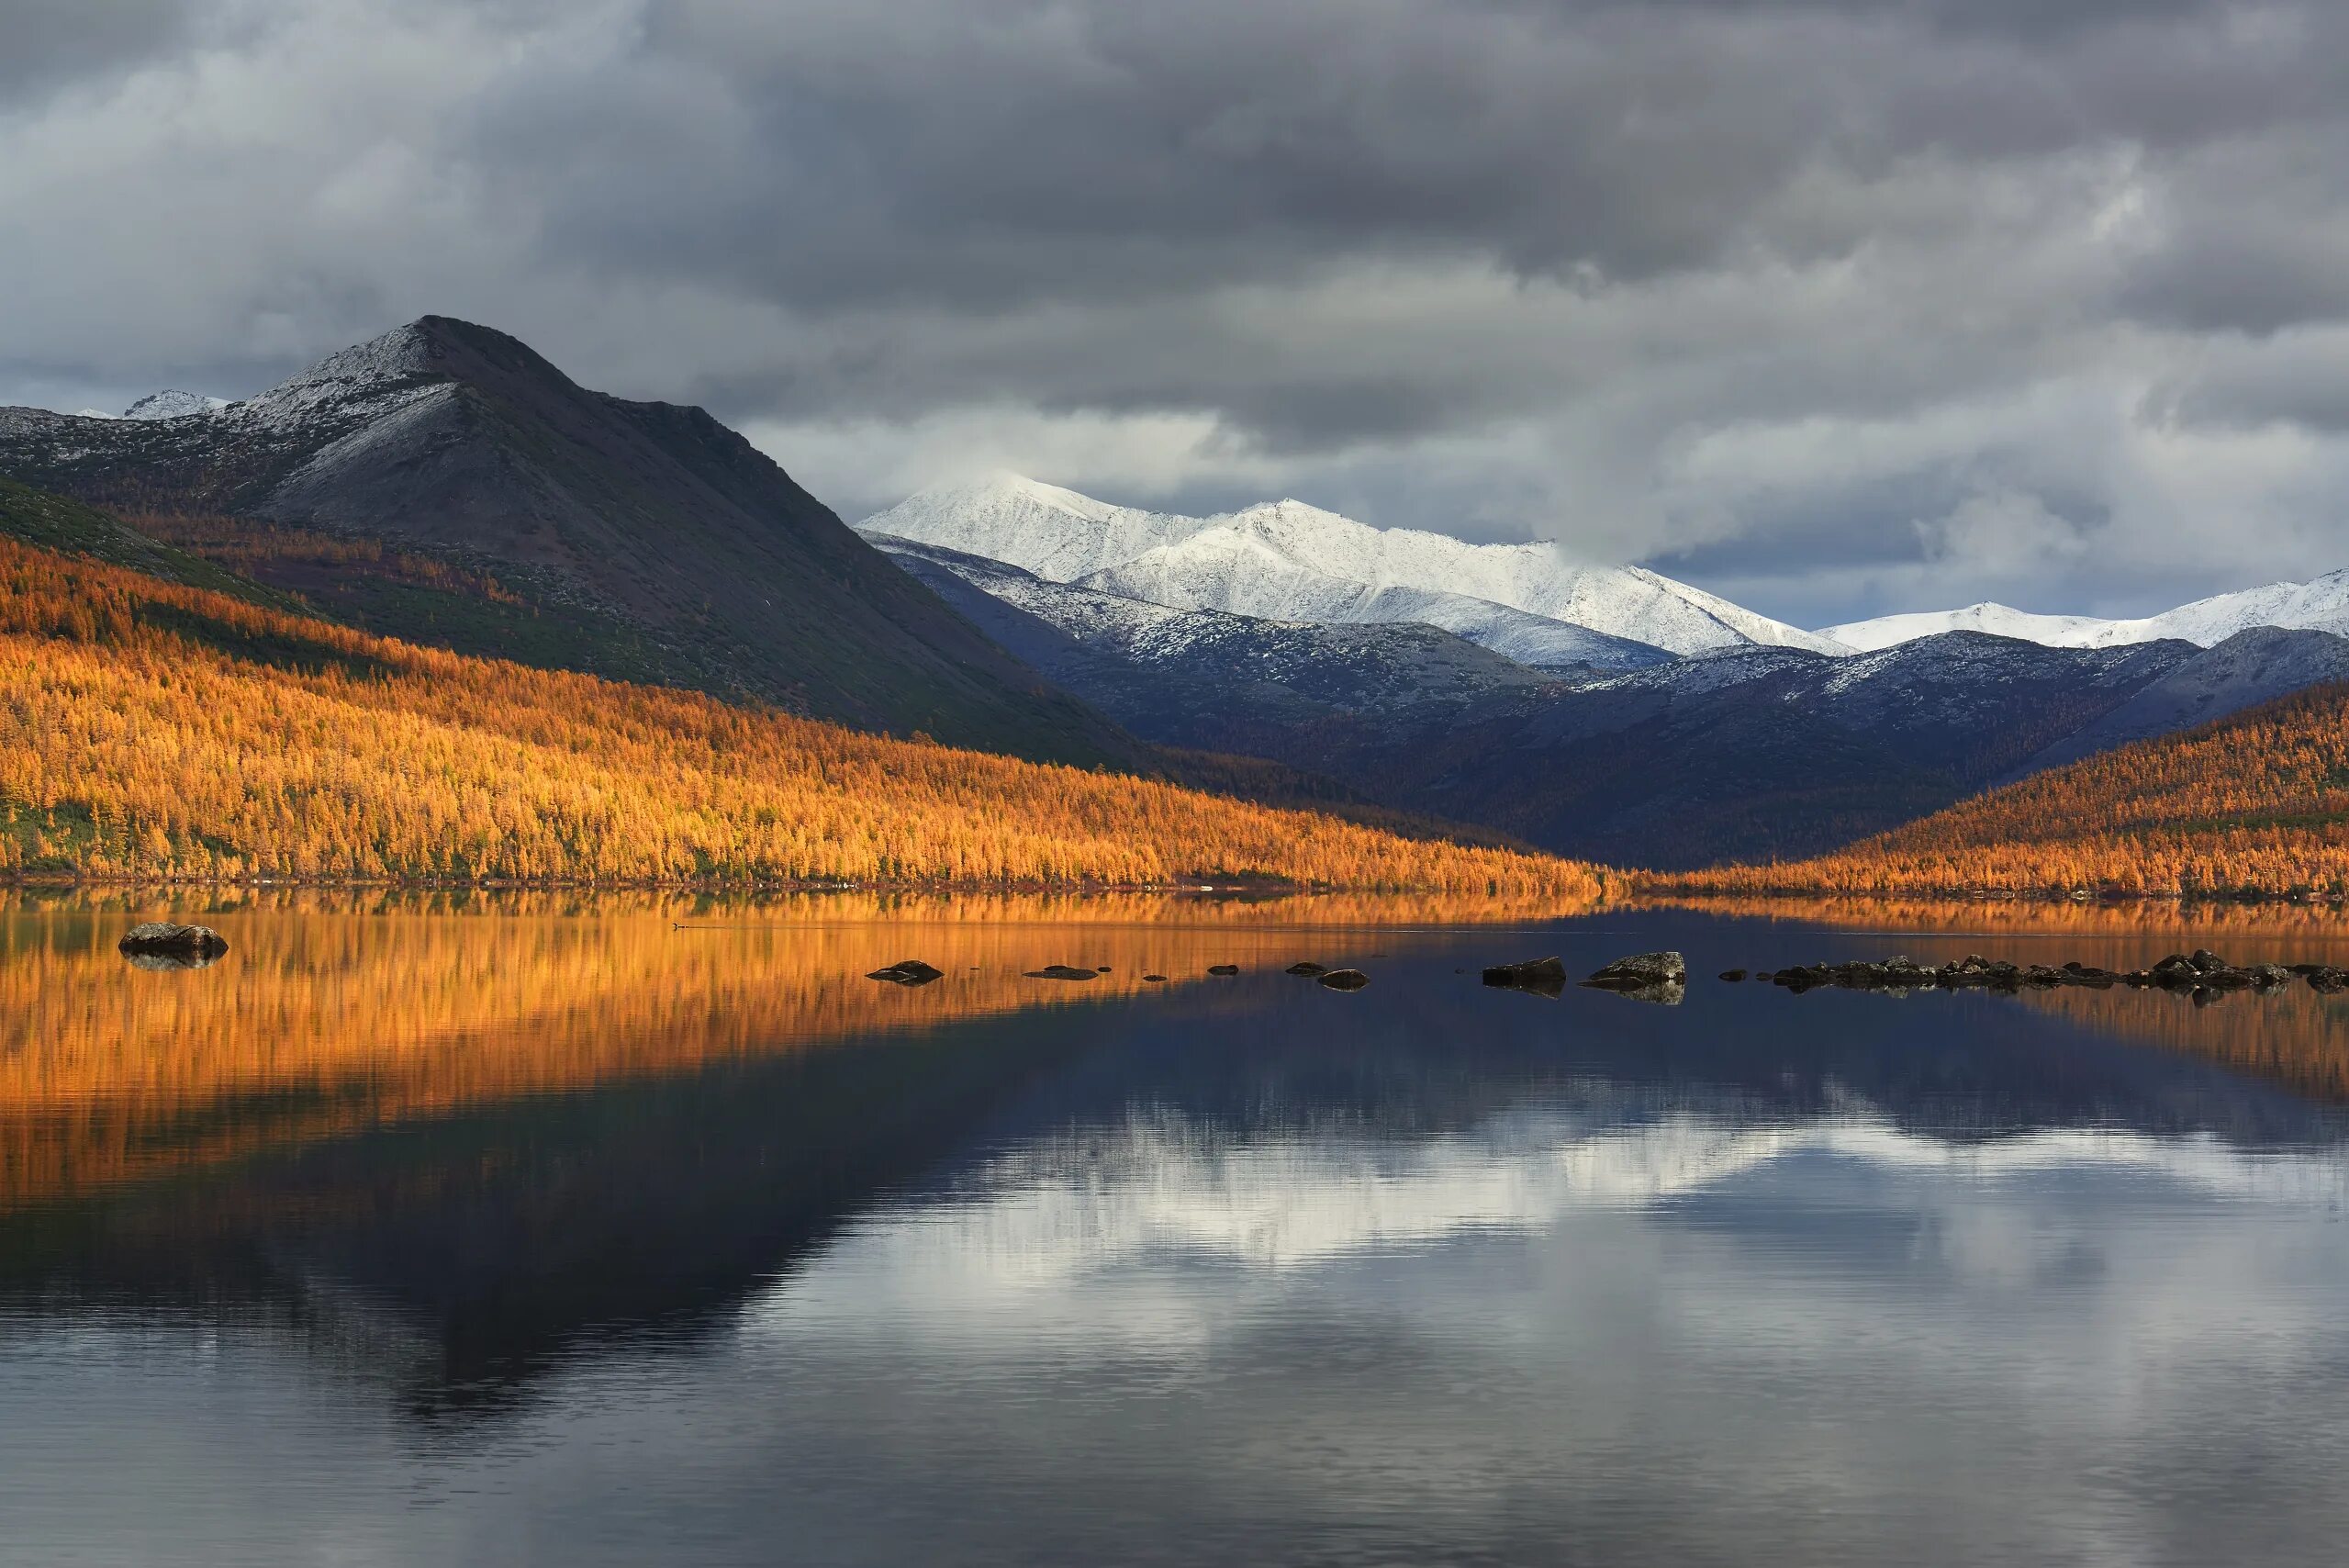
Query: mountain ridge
pixel 2319 604
pixel 1291 560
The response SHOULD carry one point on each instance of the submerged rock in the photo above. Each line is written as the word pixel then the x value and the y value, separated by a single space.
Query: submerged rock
pixel 908 971
pixel 1223 968
pixel 1345 979
pixel 161 945
pixel 1154 979
pixel 1063 972
pixel 1306 970
pixel 1543 976
pixel 1733 974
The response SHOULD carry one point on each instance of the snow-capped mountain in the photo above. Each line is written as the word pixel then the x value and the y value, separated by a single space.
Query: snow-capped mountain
pixel 1203 678
pixel 2320 605
pixel 1288 561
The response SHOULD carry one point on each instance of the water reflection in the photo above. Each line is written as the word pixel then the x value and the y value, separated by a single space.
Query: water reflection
pixel 527 1235
pixel 331 1013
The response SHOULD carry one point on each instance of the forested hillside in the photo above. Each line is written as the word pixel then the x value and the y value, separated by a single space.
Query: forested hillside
pixel 157 728
pixel 2255 803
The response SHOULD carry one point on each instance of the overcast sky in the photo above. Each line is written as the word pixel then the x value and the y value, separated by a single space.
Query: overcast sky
pixel 1834 308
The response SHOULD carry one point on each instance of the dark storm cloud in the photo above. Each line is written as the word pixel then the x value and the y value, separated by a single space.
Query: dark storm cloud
pixel 1924 284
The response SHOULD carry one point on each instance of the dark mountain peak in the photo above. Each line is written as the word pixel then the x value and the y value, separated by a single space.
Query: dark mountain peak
pixel 466 351
pixel 408 361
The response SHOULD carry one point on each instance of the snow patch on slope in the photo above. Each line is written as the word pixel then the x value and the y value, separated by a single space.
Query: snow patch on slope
pixel 173 404
pixel 357 383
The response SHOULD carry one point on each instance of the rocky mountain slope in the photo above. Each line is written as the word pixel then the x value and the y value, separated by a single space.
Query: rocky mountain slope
pixel 2248 669
pixel 2319 605
pixel 169 404
pixel 1202 678
pixel 1288 561
pixel 1770 752
pixel 642 540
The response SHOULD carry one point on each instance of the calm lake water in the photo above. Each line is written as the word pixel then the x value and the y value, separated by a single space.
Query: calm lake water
pixel 553 1231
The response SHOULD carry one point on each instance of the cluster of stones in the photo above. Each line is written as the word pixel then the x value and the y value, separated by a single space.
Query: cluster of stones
pixel 2201 970
pixel 1644 977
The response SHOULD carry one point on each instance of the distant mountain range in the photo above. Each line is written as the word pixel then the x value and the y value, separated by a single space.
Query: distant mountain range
pixel 1612 714
pixel 1288 561
pixel 2319 605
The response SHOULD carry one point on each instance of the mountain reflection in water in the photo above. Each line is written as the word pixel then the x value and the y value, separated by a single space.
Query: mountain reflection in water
pixel 556 1230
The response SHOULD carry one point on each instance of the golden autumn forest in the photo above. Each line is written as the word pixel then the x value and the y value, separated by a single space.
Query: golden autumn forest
pixel 205 729
pixel 2256 803
pixel 150 729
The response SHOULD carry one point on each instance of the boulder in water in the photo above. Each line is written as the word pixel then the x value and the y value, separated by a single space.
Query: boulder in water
pixel 161 943
pixel 1345 979
pixel 908 973
pixel 1063 972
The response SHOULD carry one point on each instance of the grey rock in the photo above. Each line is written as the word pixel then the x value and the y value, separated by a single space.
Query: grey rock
pixel 1641 969
pixel 180 946
pixel 1543 976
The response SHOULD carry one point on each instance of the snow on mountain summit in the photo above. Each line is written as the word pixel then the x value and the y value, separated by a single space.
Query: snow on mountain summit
pixel 2321 604
pixel 1288 561
pixel 1997 620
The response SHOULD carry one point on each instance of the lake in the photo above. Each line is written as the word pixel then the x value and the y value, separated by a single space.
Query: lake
pixel 534 1228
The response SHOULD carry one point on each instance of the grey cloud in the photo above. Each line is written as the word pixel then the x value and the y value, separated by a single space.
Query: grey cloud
pixel 46 44
pixel 2298 379
pixel 1716 283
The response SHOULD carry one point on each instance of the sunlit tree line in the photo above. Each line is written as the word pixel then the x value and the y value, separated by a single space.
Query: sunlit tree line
pixel 152 730
pixel 2255 803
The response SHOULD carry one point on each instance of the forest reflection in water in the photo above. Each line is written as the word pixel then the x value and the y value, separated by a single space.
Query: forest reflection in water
pixel 2295 1037
pixel 335 1010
